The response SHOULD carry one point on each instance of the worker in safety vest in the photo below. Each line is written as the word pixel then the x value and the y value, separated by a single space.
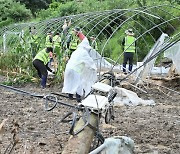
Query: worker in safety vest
pixel 93 43
pixel 72 42
pixel 57 49
pixel 129 44
pixel 65 31
pixel 40 62
pixel 76 37
pixel 57 43
pixel 34 41
pixel 49 40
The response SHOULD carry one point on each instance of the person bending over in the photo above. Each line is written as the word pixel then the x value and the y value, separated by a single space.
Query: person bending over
pixel 40 62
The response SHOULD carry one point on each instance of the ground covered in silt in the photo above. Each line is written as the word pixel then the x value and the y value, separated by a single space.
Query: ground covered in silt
pixel 33 130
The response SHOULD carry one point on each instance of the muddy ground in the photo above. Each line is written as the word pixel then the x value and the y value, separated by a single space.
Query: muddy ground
pixel 154 129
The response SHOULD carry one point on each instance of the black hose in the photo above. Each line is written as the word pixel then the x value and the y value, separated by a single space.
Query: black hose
pixel 48 97
pixel 21 91
pixel 40 96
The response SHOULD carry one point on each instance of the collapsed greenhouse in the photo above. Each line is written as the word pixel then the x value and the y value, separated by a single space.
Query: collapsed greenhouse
pixel 134 112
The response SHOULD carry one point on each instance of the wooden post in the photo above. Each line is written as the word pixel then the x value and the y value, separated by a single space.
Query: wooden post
pixel 81 143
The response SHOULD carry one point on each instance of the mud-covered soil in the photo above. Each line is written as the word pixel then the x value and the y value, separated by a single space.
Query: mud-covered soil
pixel 154 129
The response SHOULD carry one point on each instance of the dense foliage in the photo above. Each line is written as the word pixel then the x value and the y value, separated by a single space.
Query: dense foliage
pixel 12 12
pixel 35 5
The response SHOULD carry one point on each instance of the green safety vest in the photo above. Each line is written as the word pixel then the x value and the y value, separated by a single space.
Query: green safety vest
pixel 74 42
pixel 48 43
pixel 43 56
pixel 57 40
pixel 129 44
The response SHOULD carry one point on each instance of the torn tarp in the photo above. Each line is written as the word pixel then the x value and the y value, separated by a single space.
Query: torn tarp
pixel 173 53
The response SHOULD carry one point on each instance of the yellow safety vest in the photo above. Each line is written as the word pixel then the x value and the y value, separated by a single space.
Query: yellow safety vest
pixel 43 56
pixel 129 44
pixel 48 43
pixel 57 40
pixel 74 42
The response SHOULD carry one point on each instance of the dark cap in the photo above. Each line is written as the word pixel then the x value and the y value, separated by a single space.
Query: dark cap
pixel 77 29
pixel 49 49
pixel 129 32
pixel 49 33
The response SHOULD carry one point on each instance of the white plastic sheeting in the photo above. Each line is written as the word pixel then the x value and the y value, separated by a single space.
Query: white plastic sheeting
pixel 116 145
pixel 130 98
pixel 174 54
pixel 95 101
pixel 101 87
pixel 101 62
pixel 160 70
pixel 155 49
pixel 154 70
pixel 80 72
pixel 123 97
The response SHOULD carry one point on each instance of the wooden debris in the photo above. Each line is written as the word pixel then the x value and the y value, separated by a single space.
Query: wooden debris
pixel 2 125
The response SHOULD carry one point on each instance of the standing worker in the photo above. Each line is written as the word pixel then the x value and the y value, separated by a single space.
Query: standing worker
pixel 40 62
pixel 75 37
pixel 49 40
pixel 93 43
pixel 65 29
pixel 49 43
pixel 34 41
pixel 129 45
pixel 57 43
pixel 58 52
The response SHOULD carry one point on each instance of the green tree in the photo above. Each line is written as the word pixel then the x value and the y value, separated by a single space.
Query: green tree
pixel 11 11
pixel 35 5
pixel 57 9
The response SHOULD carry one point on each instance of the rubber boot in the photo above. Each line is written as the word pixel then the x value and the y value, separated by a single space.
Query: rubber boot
pixel 78 98
pixel 124 68
pixel 70 96
pixel 130 68
pixel 43 81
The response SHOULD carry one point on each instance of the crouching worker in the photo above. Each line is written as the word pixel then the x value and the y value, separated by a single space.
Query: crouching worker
pixel 80 72
pixel 40 62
